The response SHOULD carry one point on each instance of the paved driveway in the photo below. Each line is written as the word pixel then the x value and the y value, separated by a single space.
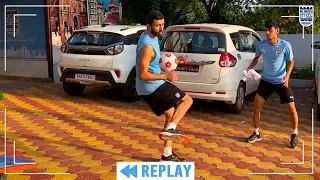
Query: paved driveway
pixel 86 136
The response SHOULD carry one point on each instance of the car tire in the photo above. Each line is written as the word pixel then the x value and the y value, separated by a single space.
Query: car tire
pixel 129 91
pixel 73 89
pixel 238 106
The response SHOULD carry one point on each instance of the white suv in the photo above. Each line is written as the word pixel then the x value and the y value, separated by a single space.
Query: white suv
pixel 103 55
pixel 220 53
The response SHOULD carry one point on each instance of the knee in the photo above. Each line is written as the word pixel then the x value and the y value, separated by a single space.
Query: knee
pixel 292 108
pixel 169 113
pixel 188 100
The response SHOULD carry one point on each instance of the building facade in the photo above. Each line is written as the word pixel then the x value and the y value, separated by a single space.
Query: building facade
pixel 31 45
pixel 95 12
pixel 24 39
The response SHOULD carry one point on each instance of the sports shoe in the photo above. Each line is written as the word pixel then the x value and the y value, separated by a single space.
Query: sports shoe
pixel 171 134
pixel 173 157
pixel 294 141
pixel 180 158
pixel 254 137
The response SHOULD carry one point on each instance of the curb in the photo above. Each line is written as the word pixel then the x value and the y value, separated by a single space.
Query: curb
pixel 31 79
pixel 302 83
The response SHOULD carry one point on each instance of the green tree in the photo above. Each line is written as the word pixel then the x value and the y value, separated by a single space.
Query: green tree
pixel 186 11
pixel 255 18
pixel 175 12
pixel 226 11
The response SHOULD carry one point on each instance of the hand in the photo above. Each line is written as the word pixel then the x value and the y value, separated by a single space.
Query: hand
pixel 248 69
pixel 286 81
pixel 172 76
pixel 183 60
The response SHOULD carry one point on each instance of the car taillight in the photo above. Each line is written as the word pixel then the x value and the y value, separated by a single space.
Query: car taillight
pixel 114 50
pixel 227 60
pixel 63 48
pixel 118 73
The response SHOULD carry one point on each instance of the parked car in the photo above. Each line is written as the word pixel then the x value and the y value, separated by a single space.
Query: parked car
pixel 103 55
pixel 316 47
pixel 223 52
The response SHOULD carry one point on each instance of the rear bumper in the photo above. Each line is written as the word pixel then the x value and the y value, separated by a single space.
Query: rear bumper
pixel 218 92
pixel 102 77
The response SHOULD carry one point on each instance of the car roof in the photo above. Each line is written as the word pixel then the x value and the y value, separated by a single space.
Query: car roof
pixel 119 29
pixel 226 28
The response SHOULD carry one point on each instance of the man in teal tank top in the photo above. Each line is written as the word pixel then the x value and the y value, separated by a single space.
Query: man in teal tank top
pixel 154 87
pixel 275 53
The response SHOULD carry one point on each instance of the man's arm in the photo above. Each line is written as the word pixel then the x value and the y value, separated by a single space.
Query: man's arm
pixel 146 55
pixel 289 57
pixel 290 67
pixel 254 62
pixel 256 59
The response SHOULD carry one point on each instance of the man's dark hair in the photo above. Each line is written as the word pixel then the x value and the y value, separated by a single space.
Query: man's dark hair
pixel 154 15
pixel 271 23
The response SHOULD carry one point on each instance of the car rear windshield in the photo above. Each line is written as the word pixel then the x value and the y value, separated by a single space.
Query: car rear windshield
pixel 194 42
pixel 95 38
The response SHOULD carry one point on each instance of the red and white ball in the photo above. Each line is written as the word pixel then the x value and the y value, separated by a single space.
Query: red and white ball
pixel 168 62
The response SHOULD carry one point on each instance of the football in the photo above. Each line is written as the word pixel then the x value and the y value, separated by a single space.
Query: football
pixel 168 62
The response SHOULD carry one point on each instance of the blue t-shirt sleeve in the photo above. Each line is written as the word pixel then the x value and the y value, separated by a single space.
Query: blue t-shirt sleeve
pixel 258 52
pixel 288 53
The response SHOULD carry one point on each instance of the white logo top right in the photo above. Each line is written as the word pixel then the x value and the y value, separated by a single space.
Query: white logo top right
pixel 306 15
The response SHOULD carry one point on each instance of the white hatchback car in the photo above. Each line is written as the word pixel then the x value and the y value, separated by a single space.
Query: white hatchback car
pixel 220 53
pixel 103 55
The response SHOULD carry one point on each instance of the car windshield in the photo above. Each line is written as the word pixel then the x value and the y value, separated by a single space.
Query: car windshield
pixel 95 38
pixel 195 42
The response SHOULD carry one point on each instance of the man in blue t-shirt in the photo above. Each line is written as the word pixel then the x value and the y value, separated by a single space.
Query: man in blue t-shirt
pixel 275 53
pixel 154 87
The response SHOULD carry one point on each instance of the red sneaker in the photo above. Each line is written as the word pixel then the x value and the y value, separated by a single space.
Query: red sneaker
pixel 171 134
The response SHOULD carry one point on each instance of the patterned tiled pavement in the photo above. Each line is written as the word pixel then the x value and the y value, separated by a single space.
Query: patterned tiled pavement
pixel 86 136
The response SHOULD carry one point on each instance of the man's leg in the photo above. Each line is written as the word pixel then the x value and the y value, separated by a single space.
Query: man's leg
pixel 294 122
pixel 181 109
pixel 170 96
pixel 169 132
pixel 286 96
pixel 293 116
pixel 264 91
pixel 168 154
pixel 168 143
pixel 258 104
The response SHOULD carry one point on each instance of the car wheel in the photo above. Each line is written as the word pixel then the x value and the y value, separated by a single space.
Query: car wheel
pixel 129 91
pixel 73 89
pixel 237 107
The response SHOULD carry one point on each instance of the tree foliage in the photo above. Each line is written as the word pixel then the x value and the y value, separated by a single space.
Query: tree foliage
pixel 255 18
pixel 238 12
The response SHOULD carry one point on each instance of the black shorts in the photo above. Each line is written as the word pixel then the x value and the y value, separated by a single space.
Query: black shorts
pixel 265 89
pixel 164 98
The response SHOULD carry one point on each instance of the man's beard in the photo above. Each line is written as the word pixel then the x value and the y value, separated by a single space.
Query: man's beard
pixel 158 34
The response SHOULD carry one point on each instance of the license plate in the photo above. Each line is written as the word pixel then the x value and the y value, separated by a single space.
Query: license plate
pixel 85 76
pixel 188 68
